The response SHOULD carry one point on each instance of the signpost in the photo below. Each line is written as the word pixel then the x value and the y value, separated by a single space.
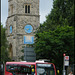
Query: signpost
pixel 66 63
pixel 29 54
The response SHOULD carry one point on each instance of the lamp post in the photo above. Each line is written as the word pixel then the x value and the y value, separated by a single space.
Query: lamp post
pixel 64 65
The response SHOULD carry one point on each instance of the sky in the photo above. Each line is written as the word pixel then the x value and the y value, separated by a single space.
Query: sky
pixel 45 7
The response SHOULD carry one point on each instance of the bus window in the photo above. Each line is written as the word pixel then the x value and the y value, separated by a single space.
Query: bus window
pixel 20 69
pixel 45 69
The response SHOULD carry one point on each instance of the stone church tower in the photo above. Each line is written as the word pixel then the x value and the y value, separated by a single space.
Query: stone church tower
pixel 22 22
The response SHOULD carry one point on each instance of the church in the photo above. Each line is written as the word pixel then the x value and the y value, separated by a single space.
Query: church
pixel 21 25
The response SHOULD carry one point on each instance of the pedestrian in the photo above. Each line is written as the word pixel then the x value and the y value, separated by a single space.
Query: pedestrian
pixel 70 73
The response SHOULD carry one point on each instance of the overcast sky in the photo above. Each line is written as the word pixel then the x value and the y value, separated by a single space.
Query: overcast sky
pixel 44 10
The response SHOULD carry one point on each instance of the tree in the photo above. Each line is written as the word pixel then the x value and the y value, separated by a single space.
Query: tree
pixel 61 14
pixel 4 46
pixel 56 35
pixel 51 45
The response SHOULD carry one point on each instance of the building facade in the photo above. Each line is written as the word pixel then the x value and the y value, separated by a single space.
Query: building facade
pixel 21 25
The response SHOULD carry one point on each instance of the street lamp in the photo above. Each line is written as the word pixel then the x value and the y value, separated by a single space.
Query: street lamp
pixel 64 65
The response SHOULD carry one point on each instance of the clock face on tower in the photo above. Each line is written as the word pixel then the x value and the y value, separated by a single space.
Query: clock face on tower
pixel 28 28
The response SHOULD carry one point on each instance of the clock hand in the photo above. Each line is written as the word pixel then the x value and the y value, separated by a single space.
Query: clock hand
pixel 28 29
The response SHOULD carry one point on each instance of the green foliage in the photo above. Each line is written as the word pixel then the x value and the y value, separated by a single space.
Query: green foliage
pixel 4 46
pixel 56 35
pixel 61 14
pixel 51 45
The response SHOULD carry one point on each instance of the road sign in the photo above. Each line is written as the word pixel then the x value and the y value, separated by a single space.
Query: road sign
pixel 67 58
pixel 66 63
pixel 29 54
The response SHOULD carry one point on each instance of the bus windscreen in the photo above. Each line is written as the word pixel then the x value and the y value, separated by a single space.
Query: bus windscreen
pixel 45 69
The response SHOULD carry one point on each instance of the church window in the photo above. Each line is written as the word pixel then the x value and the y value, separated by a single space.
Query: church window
pixel 27 8
pixel 10 29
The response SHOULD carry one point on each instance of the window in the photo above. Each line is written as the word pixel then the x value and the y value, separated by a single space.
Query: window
pixel 20 69
pixel 27 8
pixel 10 29
pixel 45 69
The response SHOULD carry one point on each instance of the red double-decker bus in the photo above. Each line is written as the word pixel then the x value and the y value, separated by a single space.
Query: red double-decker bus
pixel 30 68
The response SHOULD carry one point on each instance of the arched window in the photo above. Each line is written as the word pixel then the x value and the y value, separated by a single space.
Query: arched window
pixel 10 29
pixel 27 8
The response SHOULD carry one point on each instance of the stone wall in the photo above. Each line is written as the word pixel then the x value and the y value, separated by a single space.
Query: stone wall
pixel 19 7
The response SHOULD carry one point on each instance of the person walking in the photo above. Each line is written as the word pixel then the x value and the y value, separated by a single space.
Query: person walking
pixel 70 73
